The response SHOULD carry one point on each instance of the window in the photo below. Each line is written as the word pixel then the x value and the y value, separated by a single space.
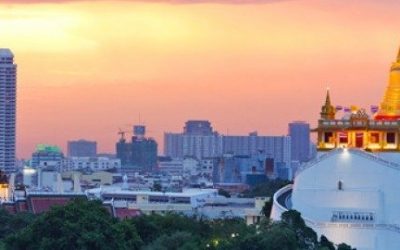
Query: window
pixel 350 216
pixel 328 137
pixel 374 137
pixel 390 137
pixel 343 137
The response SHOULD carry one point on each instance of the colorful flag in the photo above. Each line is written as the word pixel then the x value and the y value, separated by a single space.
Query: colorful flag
pixel 374 109
pixel 354 108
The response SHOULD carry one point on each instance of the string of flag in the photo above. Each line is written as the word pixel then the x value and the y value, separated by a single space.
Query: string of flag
pixel 347 109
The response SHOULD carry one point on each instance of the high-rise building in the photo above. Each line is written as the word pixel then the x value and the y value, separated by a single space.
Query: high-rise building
pixel 139 130
pixel 82 148
pixel 299 133
pixel 173 145
pixel 7 110
pixel 200 141
pixel 197 140
pixel 140 153
pixel 198 127
pixel 276 147
pixel 144 153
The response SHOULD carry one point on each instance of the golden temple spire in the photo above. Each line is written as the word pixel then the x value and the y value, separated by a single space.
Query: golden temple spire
pixel 328 98
pixel 398 56
pixel 390 106
pixel 328 111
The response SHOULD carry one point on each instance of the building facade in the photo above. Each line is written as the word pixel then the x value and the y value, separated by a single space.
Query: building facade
pixel 201 142
pixel 92 163
pixel 276 147
pixel 197 140
pixel 8 72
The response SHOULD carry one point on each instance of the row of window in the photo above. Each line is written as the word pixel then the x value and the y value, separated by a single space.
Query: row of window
pixel 374 137
pixel 352 216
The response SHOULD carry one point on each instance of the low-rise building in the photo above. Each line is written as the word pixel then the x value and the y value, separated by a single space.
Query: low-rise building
pixel 255 214
pixel 93 163
pixel 149 202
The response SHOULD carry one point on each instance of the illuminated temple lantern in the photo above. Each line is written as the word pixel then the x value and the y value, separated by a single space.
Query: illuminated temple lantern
pixel 357 129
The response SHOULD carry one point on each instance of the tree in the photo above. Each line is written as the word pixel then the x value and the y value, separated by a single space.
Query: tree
pixel 306 237
pixel 79 225
pixel 266 189
pixel 343 246
pixel 280 237
pixel 11 223
pixel 325 243
pixel 128 235
pixel 267 208
pixel 175 241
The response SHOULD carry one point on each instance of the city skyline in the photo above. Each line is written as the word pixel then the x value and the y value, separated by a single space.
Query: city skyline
pixel 80 77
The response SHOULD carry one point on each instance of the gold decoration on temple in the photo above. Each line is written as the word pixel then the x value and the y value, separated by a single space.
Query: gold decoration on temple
pixel 357 129
pixel 390 106
pixel 328 111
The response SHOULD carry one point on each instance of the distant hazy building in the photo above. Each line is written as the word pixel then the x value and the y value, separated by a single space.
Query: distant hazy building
pixel 141 152
pixel 198 127
pixel 197 140
pixel 276 147
pixel 200 141
pixel 170 166
pixel 207 166
pixel 144 153
pixel 48 156
pixel 173 145
pixel 82 148
pixel 7 110
pixel 299 133
pixel 92 163
pixel 231 167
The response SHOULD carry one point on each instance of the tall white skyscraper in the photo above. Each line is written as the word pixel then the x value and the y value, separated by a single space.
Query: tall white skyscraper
pixel 7 110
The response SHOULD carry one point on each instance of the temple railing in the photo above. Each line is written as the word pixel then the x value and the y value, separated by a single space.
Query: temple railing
pixel 367 123
pixel 376 158
pixel 389 227
pixel 317 160
pixel 356 151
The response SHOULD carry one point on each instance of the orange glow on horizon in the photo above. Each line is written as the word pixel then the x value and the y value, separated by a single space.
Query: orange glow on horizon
pixel 86 69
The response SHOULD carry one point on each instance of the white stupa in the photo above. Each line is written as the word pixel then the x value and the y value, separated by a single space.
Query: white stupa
pixel 349 196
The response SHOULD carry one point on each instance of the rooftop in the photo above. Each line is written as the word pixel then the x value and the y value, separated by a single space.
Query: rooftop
pixel 6 52
pixel 119 190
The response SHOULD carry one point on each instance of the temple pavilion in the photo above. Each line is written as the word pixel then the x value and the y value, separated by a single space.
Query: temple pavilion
pixel 378 132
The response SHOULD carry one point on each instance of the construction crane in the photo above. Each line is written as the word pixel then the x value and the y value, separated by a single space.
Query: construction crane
pixel 122 134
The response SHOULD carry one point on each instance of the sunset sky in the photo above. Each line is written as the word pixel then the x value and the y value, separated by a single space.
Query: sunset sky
pixel 88 68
